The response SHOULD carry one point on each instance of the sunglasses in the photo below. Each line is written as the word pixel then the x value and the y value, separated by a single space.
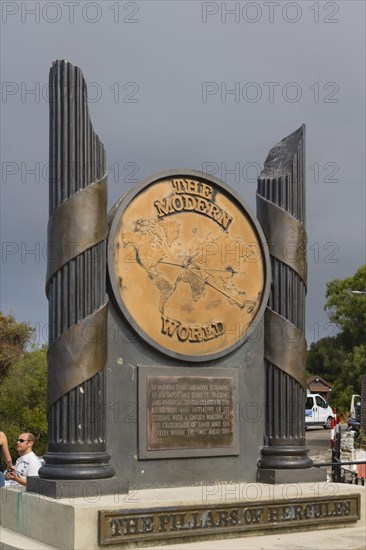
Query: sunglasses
pixel 22 440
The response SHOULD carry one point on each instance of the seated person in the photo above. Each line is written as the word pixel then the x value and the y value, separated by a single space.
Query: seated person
pixel 26 465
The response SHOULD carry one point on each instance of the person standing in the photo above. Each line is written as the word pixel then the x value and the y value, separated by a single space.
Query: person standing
pixel 26 465
pixel 5 450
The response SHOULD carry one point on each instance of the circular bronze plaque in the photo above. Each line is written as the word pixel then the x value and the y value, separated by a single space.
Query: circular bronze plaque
pixel 187 265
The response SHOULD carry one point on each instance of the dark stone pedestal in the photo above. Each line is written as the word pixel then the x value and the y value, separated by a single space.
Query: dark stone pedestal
pixel 299 475
pixel 70 489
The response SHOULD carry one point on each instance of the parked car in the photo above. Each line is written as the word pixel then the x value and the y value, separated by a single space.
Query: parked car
pixel 318 412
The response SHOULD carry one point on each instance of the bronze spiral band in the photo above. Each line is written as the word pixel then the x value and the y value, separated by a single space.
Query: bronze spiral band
pixel 286 236
pixel 77 224
pixel 285 346
pixel 77 355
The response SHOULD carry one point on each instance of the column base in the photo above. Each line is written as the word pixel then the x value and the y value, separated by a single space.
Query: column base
pixel 91 489
pixel 284 457
pixel 76 466
pixel 300 475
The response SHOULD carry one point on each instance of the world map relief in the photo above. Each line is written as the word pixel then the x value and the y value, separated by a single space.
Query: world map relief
pixel 212 262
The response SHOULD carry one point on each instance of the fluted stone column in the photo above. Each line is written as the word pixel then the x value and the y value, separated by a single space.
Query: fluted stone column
pixel 76 285
pixel 281 213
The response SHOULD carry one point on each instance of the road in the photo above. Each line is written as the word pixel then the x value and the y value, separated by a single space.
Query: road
pixel 318 443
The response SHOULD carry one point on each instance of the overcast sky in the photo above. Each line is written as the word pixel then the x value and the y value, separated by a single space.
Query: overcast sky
pixel 177 84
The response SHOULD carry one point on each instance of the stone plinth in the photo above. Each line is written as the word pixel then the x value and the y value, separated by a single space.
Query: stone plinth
pixel 307 475
pixel 73 523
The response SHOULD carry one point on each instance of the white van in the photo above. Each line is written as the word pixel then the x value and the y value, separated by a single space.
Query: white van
pixel 317 411
pixel 355 404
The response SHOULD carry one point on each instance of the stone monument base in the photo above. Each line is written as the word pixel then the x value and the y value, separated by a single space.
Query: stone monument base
pixel 173 516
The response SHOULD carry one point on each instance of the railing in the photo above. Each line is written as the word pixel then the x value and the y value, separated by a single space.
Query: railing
pixel 342 475
pixel 339 473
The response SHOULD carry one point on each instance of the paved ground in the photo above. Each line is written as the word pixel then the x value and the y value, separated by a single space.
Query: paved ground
pixel 318 443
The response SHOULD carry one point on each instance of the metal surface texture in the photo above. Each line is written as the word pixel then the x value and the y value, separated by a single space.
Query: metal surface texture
pixel 287 236
pixel 188 414
pixel 281 212
pixel 223 519
pixel 77 355
pixel 285 345
pixel 77 225
pixel 76 284
pixel 187 265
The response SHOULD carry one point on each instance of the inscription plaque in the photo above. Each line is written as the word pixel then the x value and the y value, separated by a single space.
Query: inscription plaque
pixel 181 414
pixel 223 519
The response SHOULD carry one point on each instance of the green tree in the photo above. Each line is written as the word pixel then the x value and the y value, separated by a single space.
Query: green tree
pixel 23 400
pixel 346 304
pixel 326 358
pixel 349 379
pixel 342 359
pixel 23 379
pixel 14 339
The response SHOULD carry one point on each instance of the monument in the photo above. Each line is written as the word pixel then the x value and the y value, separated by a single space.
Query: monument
pixel 192 367
pixel 177 349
